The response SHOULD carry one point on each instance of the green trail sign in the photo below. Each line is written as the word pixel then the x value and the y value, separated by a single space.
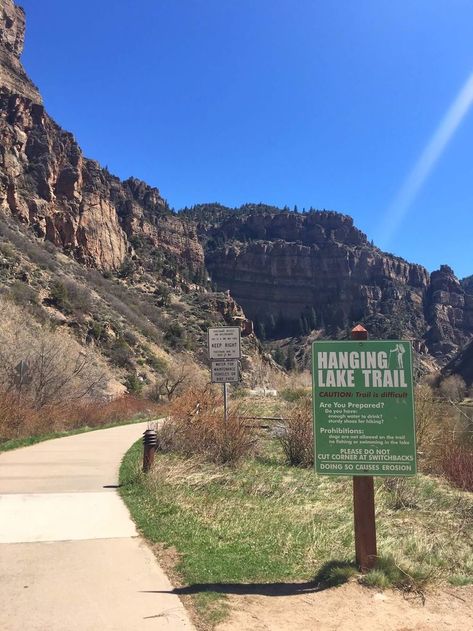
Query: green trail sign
pixel 363 408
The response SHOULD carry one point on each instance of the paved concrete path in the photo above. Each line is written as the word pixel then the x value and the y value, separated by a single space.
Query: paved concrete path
pixel 70 557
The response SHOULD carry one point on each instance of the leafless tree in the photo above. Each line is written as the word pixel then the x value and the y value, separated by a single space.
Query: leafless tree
pixel 46 366
pixel 453 388
pixel 179 377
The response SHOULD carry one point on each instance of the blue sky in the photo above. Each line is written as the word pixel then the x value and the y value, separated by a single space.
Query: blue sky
pixel 331 104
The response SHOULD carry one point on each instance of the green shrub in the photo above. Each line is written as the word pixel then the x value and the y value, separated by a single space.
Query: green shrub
pixel 120 354
pixel 59 296
pixel 134 384
pixel 157 363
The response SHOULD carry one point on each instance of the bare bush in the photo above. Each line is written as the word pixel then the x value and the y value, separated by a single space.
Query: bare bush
pixel 44 366
pixel 296 436
pixel 93 414
pixel 453 388
pixel 182 375
pixel 196 426
pixel 456 464
pixel 171 384
pixel 19 419
pixel 430 412
pixel 16 417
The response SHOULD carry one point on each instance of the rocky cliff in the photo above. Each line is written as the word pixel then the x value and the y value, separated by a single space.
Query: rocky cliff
pixel 462 364
pixel 293 273
pixel 12 36
pixel 319 271
pixel 47 183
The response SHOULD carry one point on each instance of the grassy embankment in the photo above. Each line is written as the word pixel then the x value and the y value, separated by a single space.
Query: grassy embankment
pixel 276 527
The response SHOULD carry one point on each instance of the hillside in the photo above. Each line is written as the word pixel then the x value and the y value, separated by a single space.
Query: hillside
pixel 109 260
pixel 105 260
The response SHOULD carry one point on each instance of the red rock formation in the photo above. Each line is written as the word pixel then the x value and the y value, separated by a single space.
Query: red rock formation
pixel 46 182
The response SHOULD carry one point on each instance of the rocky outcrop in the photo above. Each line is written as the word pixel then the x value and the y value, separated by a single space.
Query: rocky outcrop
pixel 324 263
pixel 462 364
pixel 319 271
pixel 47 183
pixel 143 213
pixel 12 36
pixel 449 311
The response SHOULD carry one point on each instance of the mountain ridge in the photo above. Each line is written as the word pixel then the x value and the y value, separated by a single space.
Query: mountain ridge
pixel 312 271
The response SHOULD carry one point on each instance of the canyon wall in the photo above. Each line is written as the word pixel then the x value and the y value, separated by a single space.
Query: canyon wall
pixel 290 265
pixel 47 183
pixel 315 269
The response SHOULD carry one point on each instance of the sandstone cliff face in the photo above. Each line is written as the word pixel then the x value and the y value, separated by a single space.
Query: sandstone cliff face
pixel 291 265
pixel 12 36
pixel 449 310
pixel 462 364
pixel 313 268
pixel 47 183
pixel 324 262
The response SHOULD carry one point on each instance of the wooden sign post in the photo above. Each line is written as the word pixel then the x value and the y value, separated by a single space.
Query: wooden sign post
pixel 363 503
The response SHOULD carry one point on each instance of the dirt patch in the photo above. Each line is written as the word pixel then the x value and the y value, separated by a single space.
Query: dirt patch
pixel 352 607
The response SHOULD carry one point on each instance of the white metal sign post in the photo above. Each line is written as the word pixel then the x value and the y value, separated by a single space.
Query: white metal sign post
pixel 224 352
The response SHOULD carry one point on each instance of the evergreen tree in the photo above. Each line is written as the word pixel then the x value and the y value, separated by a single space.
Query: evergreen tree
pixel 290 359
pixel 279 356
pixel 312 319
pixel 259 328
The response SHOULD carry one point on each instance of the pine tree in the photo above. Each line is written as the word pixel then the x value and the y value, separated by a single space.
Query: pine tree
pixel 312 319
pixel 290 359
pixel 279 356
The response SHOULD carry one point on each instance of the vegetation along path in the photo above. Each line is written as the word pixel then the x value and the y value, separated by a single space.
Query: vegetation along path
pixel 70 557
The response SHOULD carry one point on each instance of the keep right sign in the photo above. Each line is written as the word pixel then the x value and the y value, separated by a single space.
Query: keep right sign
pixel 364 422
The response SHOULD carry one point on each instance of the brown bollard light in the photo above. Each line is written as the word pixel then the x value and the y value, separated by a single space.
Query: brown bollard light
pixel 150 444
pixel 363 502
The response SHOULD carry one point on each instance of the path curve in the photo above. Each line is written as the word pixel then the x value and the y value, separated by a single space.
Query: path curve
pixel 70 556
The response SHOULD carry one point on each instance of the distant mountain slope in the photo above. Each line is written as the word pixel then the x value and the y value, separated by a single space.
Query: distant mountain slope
pixel 294 272
pixel 297 275
pixel 133 284
pixel 462 364
pixel 467 284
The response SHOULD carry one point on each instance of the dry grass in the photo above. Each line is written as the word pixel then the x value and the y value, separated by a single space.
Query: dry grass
pixel 296 436
pixel 432 420
pixel 19 418
pixel 196 426
pixel 265 522
pixel 442 448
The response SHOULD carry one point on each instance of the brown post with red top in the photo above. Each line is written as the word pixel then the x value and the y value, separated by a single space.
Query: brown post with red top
pixel 363 502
